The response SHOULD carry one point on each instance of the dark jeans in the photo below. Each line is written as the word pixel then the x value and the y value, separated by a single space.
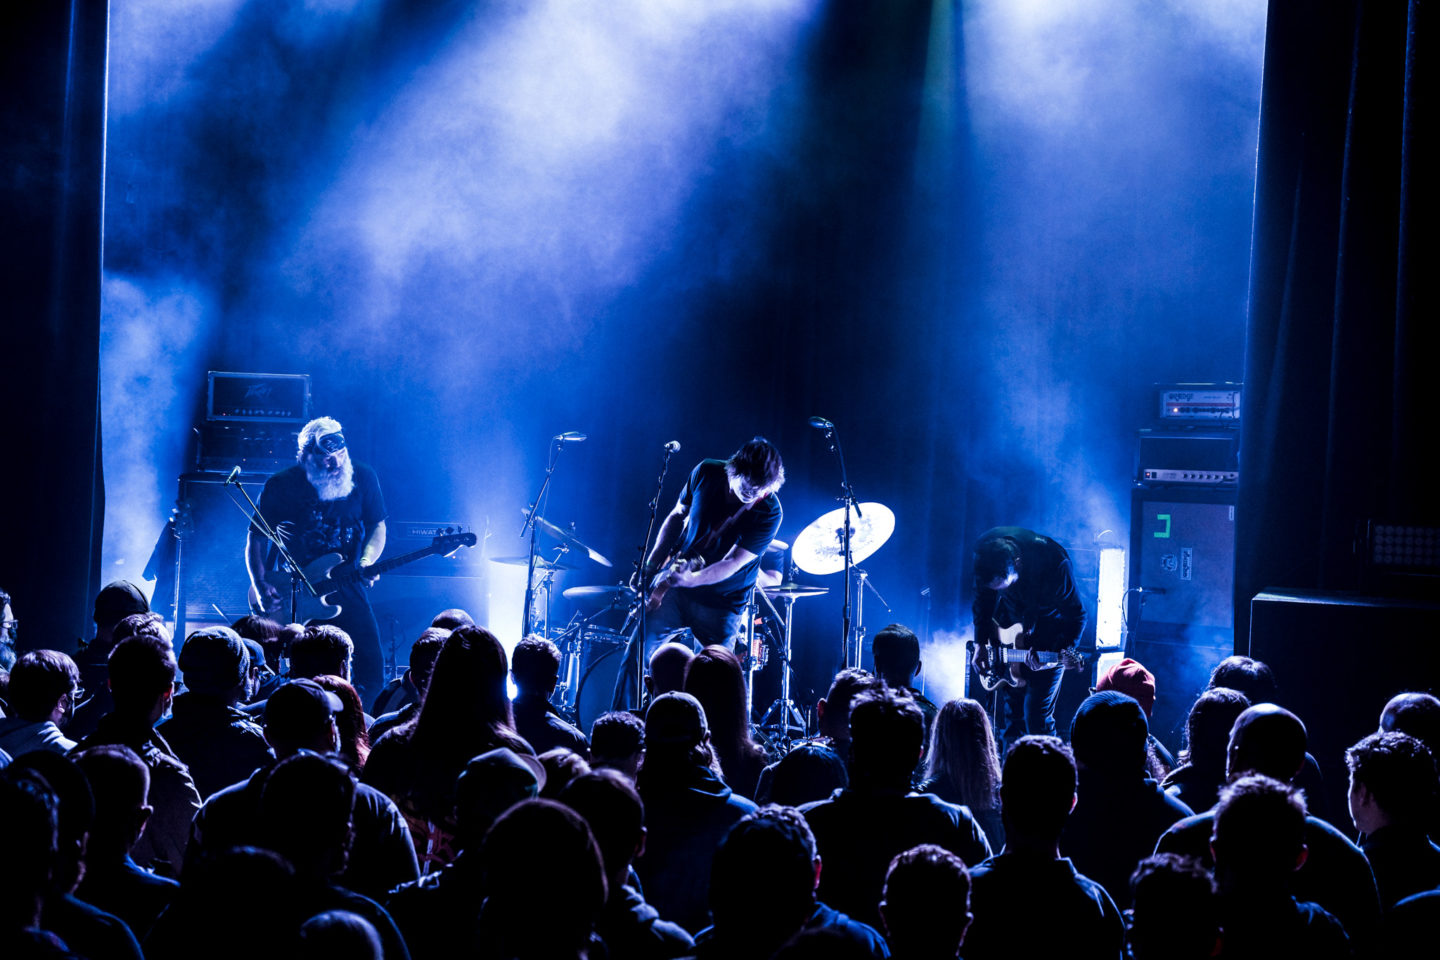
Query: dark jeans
pixel 367 668
pixel 1031 708
pixel 717 626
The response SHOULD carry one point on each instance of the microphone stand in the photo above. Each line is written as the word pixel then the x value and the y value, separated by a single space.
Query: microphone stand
pixel 531 527
pixel 297 576
pixel 850 650
pixel 637 642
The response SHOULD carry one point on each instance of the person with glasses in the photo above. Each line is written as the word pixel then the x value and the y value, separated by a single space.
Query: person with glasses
pixel 326 503
pixel 9 626
pixel 44 688
pixel 706 556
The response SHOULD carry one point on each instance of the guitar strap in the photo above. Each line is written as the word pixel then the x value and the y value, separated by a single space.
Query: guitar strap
pixel 717 535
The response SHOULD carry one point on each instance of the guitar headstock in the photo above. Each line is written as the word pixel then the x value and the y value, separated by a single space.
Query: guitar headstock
pixel 446 544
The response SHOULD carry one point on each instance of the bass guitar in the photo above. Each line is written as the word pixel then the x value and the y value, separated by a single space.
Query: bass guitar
pixel 330 572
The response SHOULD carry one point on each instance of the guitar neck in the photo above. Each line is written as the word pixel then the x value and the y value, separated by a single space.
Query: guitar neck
pixel 383 566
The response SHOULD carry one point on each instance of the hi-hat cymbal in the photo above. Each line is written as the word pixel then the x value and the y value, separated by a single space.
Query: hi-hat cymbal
pixel 565 536
pixel 540 563
pixel 599 592
pixel 820 548
pixel 792 589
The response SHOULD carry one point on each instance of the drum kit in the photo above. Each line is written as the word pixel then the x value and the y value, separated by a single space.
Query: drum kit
pixel 590 650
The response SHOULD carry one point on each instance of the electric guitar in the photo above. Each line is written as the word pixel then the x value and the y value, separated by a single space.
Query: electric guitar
pixel 330 572
pixel 999 665
pixel 665 579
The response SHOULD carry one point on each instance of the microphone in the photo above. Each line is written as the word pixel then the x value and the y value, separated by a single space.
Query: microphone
pixel 673 446
pixel 820 423
pixel 570 436
pixel 233 474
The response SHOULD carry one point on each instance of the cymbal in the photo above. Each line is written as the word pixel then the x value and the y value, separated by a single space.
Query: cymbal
pixel 792 589
pixel 540 563
pixel 820 548
pixel 598 592
pixel 565 536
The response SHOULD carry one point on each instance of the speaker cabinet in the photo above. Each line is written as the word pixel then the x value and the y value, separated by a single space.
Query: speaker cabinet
pixel 210 567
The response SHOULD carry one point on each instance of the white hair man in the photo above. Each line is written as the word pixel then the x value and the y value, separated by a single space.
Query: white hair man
pixel 325 504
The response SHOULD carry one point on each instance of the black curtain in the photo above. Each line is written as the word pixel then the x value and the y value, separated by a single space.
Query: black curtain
pixel 1341 331
pixel 52 149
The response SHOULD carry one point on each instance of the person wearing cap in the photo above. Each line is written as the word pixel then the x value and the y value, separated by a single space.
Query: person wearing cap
pixel 218 743
pixel 688 809
pixel 1121 810
pixel 326 503
pixel 301 716
pixel 1132 679
pixel 116 602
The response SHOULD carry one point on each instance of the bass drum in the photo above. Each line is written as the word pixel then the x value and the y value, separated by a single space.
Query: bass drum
pixel 602 650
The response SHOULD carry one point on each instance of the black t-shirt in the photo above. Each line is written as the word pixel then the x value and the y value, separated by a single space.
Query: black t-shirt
pixel 718 521
pixel 317 527
pixel 1044 599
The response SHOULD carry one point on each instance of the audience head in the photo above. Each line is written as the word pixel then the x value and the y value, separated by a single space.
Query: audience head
pixel 617 742
pixel 28 810
pixel 926 902
pixel 1392 782
pixel 561 766
pixel 148 624
pixel 1259 834
pixel 775 843
pixel 1108 735
pixel 117 600
pixel 887 734
pixel 423 654
pixel 321 649
pixel 962 752
pixel 1417 714
pixel 715 678
pixel 44 685
pixel 350 721
pixel 609 803
pixel 535 665
pixel 215 662
pixel 1175 912
pixel 75 812
pixel 489 785
pixel 1132 679
pixel 467 692
pixel 833 710
pixel 306 806
pixel 811 771
pixel 667 668
pixel 1037 791
pixel 8 627
pixel 267 633
pixel 339 933
pixel 452 619
pixel 1253 678
pixel 120 784
pixel 897 655
pixel 301 715
pixel 542 845
pixel 142 677
pixel 677 738
pixel 1266 739
pixel 1207 728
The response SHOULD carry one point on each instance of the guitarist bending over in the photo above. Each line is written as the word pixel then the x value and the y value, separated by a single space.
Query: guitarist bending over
pixel 707 554
pixel 326 503
pixel 1023 577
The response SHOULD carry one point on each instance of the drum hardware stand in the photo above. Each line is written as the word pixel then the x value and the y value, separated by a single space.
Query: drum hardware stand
pixel 753 661
pixel 859 647
pixel 782 715
pixel 557 443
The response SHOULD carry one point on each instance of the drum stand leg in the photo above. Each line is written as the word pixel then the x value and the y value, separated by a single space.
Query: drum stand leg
pixel 783 717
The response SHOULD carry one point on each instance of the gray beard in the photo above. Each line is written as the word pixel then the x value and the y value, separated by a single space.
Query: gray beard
pixel 332 488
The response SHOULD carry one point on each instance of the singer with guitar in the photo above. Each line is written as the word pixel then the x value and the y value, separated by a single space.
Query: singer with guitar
pixel 324 504
pixel 1025 579
pixel 707 554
